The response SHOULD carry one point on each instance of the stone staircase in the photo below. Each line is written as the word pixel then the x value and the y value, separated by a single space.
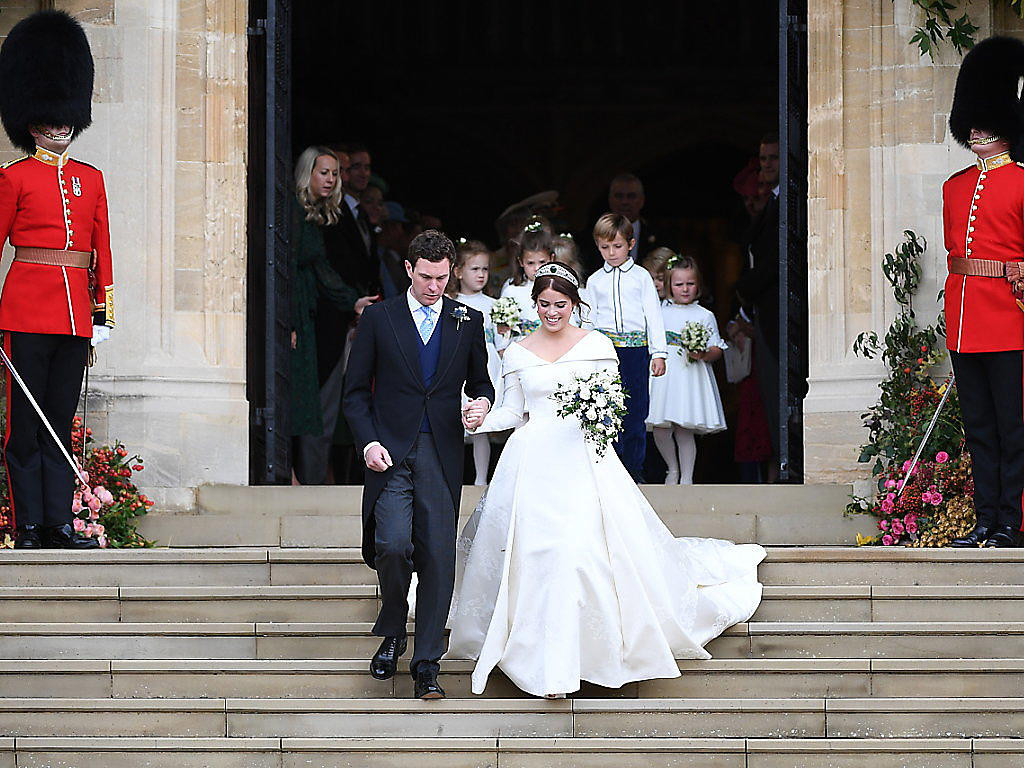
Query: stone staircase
pixel 255 655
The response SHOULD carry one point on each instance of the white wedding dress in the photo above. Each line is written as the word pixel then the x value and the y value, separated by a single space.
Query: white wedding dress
pixel 564 572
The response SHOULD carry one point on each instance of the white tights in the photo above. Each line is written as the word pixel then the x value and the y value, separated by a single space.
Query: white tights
pixel 679 450
pixel 481 457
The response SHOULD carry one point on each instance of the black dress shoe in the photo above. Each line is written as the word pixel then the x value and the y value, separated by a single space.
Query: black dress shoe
pixel 28 537
pixel 385 661
pixel 65 537
pixel 1003 536
pixel 427 687
pixel 975 538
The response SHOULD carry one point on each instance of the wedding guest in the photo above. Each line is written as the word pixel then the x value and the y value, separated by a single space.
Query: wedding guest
pixel 626 197
pixel 469 277
pixel 532 250
pixel 685 402
pixel 395 235
pixel 314 409
pixel 624 306
pixel 565 251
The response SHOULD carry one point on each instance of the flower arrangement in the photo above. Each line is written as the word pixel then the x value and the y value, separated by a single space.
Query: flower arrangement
pixel 694 337
pixel 104 509
pixel 935 505
pixel 505 311
pixel 599 402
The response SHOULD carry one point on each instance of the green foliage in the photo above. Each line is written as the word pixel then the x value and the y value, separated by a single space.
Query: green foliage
pixel 941 26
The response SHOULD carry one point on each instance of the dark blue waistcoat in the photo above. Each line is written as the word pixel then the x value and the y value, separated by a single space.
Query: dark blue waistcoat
pixel 430 356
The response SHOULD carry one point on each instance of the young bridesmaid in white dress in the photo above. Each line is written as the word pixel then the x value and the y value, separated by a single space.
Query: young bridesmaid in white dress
pixel 565 573
pixel 533 249
pixel 685 401
pixel 470 275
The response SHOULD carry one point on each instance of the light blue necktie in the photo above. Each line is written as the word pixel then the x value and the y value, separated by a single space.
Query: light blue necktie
pixel 427 324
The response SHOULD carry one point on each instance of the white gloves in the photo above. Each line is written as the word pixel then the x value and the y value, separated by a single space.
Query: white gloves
pixel 100 333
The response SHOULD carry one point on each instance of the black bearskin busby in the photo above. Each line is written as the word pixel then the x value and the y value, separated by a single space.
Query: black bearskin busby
pixel 987 96
pixel 46 76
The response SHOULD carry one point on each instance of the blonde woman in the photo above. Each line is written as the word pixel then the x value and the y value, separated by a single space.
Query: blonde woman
pixel 318 199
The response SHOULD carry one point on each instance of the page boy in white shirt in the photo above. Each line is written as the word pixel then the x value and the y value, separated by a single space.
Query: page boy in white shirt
pixel 625 307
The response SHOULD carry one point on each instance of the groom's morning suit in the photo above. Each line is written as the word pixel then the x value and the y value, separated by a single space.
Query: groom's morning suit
pixel 403 389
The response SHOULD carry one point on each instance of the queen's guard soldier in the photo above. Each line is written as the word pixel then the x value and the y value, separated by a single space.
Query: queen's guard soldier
pixel 983 223
pixel 53 209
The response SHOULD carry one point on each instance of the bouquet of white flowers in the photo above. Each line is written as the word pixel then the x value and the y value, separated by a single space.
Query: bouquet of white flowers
pixel 693 338
pixel 505 311
pixel 599 402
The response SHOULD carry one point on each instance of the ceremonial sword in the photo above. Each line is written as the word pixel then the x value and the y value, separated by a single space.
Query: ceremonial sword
pixel 39 411
pixel 950 380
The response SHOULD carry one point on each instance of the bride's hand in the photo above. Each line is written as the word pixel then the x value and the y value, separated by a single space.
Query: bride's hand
pixel 658 366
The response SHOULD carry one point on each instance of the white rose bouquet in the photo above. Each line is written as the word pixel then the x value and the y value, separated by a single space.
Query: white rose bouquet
pixel 693 338
pixel 599 402
pixel 505 311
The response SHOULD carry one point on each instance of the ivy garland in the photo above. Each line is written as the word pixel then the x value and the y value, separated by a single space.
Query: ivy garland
pixel 942 26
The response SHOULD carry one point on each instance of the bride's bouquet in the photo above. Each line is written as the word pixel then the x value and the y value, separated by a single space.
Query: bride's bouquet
pixel 599 402
pixel 505 311
pixel 694 337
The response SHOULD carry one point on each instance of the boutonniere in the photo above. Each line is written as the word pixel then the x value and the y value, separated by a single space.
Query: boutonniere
pixel 461 315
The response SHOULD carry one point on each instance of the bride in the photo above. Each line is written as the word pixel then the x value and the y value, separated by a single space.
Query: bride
pixel 565 573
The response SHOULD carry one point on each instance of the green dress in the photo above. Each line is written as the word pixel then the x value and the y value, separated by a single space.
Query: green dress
pixel 311 276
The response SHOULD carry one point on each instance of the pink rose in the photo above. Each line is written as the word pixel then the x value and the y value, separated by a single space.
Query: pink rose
pixel 906 465
pixel 883 524
pixel 99 529
pixel 79 524
pixel 941 457
pixel 890 496
pixel 85 476
pixel 87 498
pixel 94 514
pixel 912 527
pixel 105 496
pixel 888 506
pixel 888 540
pixel 926 497
pixel 909 518
pixel 103 541
pixel 897 527
pixel 891 483
pixel 936 498
pixel 76 505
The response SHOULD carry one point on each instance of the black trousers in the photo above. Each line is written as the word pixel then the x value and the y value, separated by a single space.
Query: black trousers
pixel 991 390
pixel 415 526
pixel 41 483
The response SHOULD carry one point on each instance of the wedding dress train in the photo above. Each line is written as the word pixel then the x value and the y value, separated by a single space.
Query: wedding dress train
pixel 564 572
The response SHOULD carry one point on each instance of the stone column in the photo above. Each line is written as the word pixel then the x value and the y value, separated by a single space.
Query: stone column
pixel 879 151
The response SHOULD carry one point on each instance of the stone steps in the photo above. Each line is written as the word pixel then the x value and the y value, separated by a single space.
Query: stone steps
pixel 508 752
pixel 525 718
pixel 354 602
pixel 229 567
pixel 348 678
pixel 352 640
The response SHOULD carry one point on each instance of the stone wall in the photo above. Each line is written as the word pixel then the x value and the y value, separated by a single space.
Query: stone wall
pixel 170 134
pixel 879 150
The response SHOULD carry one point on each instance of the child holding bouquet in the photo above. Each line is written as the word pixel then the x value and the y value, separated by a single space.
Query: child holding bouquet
pixel 532 250
pixel 685 401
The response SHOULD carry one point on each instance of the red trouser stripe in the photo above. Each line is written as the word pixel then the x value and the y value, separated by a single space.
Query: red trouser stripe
pixel 7 429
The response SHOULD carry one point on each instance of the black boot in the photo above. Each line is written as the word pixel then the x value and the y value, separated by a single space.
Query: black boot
pixel 28 537
pixel 385 661
pixel 427 687
pixel 1003 536
pixel 975 538
pixel 65 537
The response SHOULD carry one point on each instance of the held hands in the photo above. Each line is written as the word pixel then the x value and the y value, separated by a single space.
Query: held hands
pixel 658 366
pixel 364 302
pixel 378 459
pixel 473 413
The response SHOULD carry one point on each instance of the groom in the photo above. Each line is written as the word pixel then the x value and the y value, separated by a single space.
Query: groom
pixel 411 358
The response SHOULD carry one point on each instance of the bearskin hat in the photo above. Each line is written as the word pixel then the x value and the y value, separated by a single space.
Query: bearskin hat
pixel 46 76
pixel 986 95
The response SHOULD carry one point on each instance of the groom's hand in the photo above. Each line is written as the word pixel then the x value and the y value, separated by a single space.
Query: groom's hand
pixel 474 412
pixel 378 459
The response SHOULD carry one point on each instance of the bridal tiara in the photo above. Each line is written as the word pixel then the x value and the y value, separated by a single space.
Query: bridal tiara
pixel 554 269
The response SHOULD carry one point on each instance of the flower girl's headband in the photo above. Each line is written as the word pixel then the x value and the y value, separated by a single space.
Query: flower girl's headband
pixel 555 269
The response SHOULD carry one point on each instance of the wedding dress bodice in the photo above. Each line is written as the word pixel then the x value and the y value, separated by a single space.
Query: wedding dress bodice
pixel 529 381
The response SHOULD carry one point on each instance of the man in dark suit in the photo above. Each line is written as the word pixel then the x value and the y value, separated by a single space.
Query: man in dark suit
pixel 626 197
pixel 412 356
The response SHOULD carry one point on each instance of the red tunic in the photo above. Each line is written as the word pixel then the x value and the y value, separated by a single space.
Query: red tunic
pixel 983 218
pixel 53 201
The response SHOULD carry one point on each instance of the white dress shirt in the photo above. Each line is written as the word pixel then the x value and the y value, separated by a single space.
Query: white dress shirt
pixel 623 299
pixel 416 309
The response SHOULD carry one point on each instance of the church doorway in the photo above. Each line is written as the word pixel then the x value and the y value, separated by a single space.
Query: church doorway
pixel 467 108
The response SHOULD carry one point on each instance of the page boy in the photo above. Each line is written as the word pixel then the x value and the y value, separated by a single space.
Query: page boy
pixel 624 306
